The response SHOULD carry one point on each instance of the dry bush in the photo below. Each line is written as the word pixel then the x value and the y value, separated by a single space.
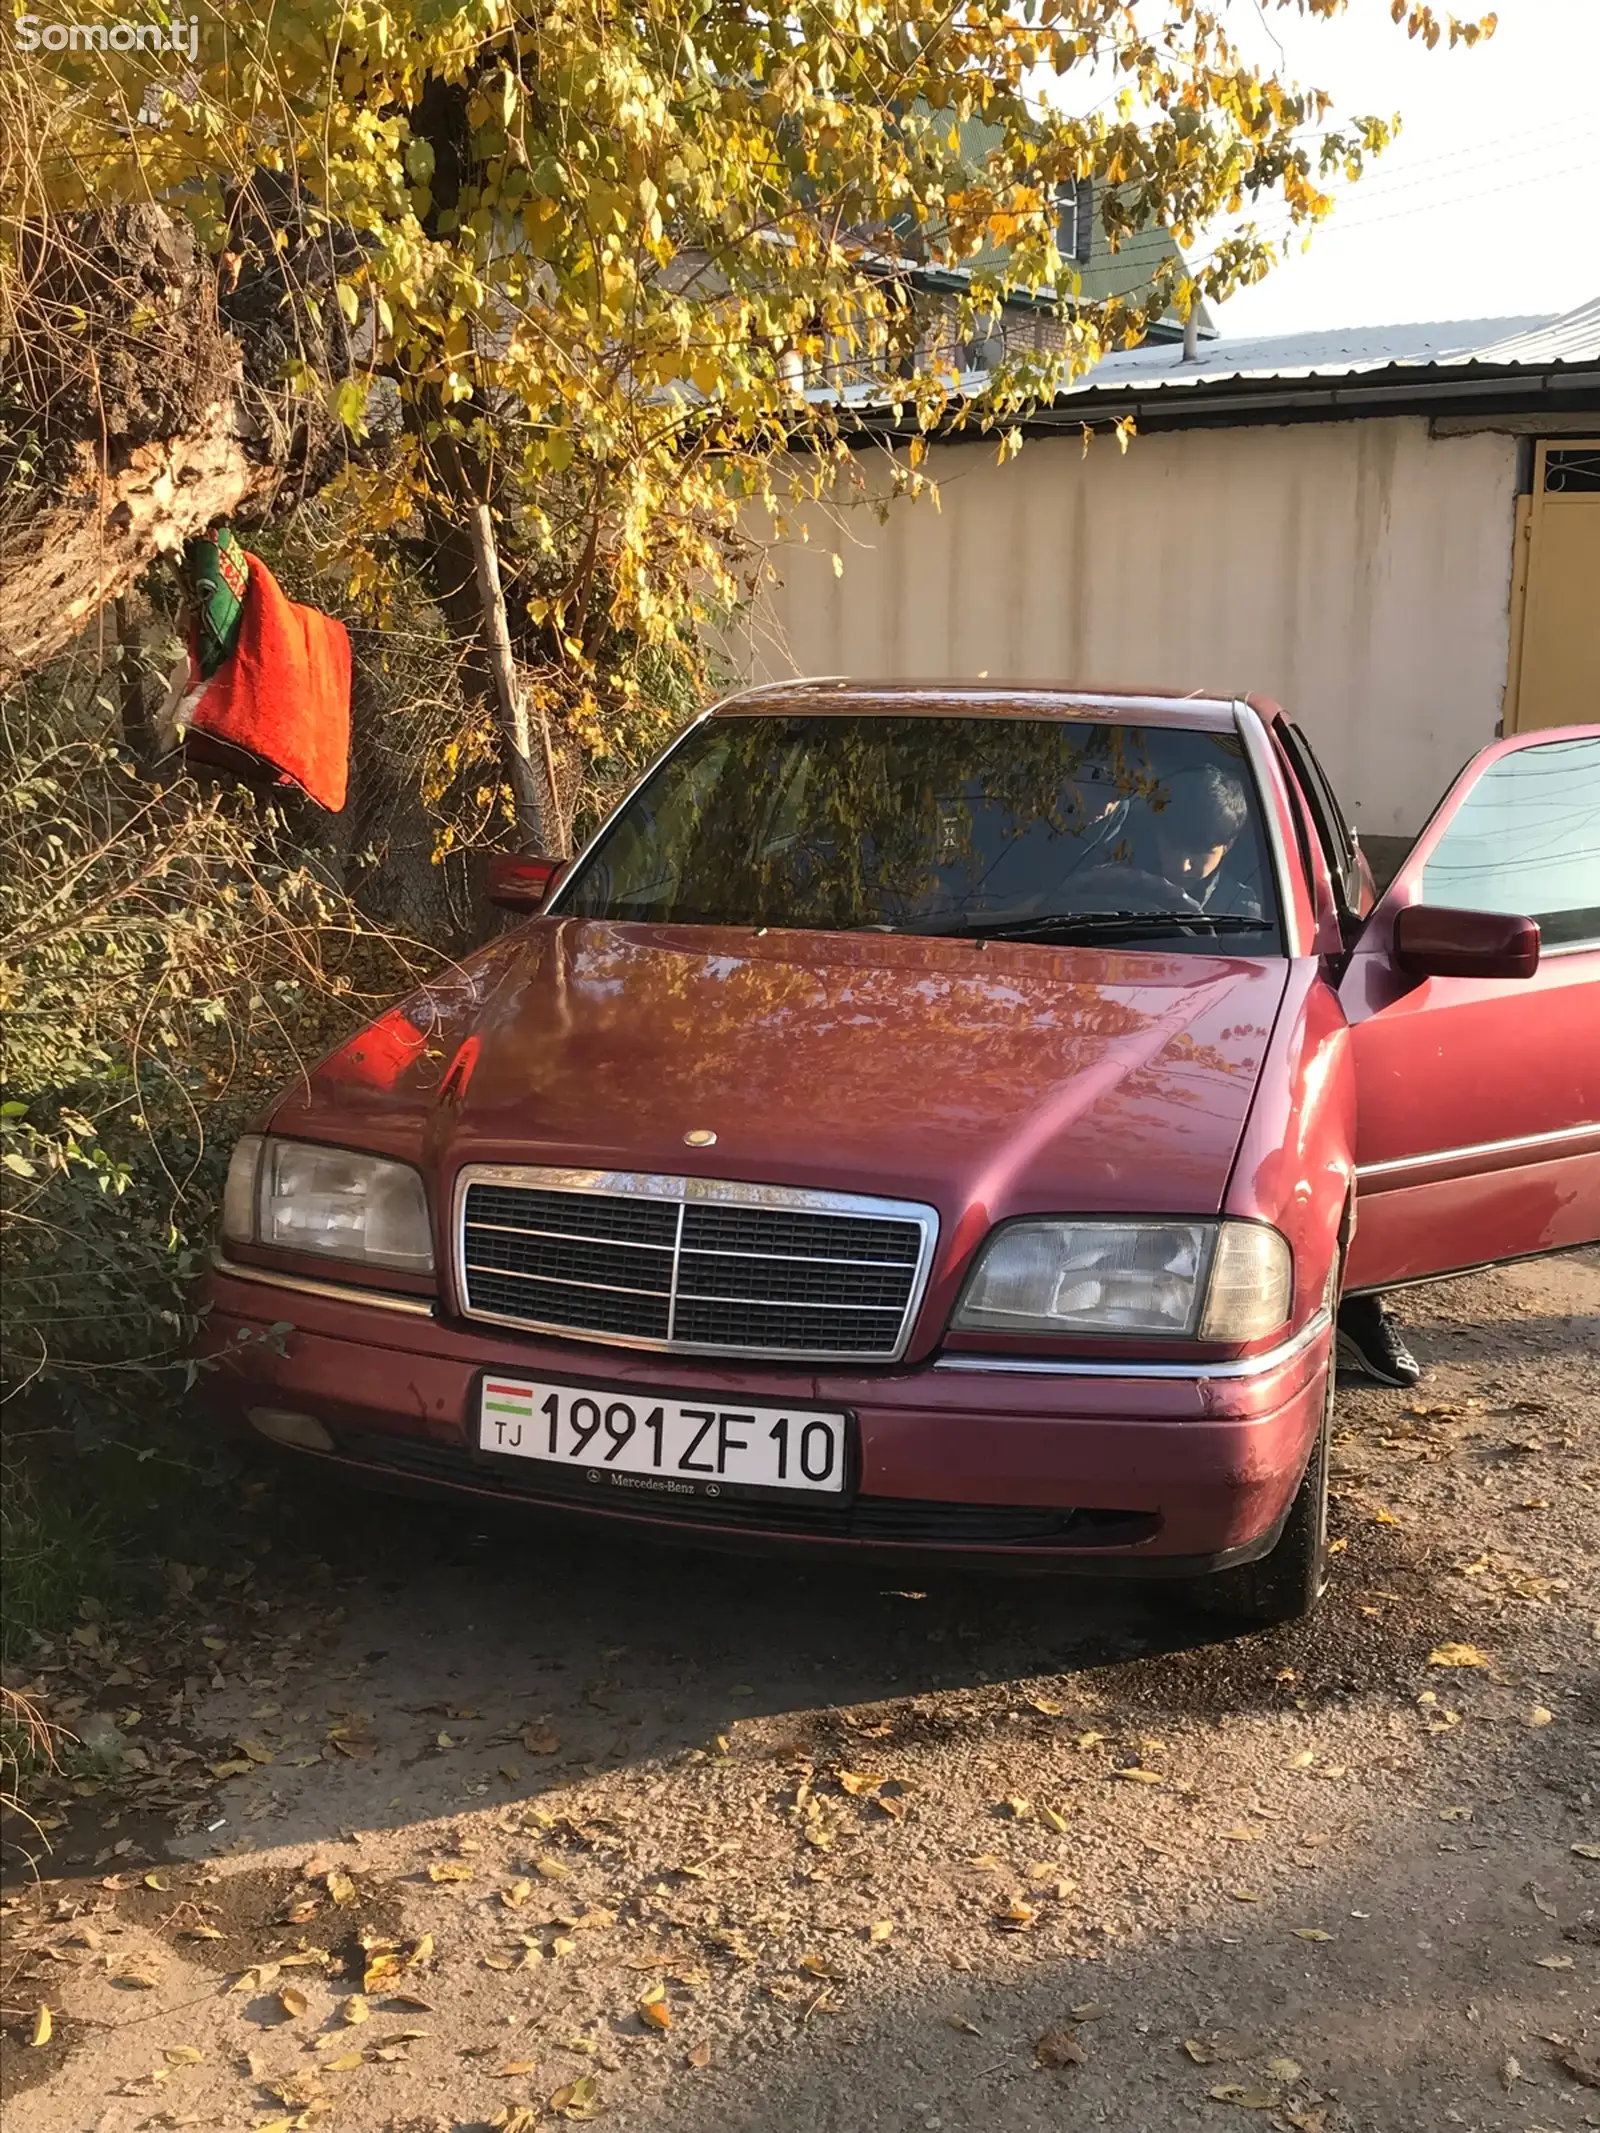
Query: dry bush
pixel 168 956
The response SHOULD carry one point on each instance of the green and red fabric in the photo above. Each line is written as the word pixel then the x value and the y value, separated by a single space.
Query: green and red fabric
pixel 216 574
pixel 270 679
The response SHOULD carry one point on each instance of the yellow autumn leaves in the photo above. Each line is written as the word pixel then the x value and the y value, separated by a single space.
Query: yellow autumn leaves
pixel 602 286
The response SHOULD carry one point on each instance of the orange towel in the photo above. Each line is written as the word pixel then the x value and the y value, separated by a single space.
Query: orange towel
pixel 284 696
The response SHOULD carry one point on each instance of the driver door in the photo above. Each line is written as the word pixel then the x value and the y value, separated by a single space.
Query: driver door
pixel 1478 1098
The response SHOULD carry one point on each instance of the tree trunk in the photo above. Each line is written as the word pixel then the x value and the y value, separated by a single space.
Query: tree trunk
pixel 533 786
pixel 150 420
pixel 60 563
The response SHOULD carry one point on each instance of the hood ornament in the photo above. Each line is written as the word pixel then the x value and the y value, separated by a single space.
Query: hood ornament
pixel 701 1137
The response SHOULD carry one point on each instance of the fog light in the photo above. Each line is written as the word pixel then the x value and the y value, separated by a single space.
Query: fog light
pixel 284 1426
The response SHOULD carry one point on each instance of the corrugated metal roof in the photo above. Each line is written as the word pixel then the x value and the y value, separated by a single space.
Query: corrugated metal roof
pixel 1571 337
pixel 1491 363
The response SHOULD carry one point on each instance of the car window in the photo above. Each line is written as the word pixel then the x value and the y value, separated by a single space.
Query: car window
pixel 1333 832
pixel 942 825
pixel 1526 839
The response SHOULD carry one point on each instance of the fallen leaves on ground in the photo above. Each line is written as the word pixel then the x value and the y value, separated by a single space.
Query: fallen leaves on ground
pixel 293 2002
pixel 296 2090
pixel 580 2099
pixel 1058 2048
pixel 385 1959
pixel 653 2008
pixel 449 1870
pixel 699 2054
pixel 1457 1655
pixel 42 2026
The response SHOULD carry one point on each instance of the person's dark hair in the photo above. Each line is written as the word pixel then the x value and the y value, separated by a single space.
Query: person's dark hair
pixel 1210 805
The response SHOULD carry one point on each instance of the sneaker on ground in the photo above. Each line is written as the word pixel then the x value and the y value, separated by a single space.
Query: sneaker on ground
pixel 1370 1341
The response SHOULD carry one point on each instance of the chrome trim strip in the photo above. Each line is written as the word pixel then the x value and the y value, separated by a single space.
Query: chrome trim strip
pixel 567 1281
pixel 672 1274
pixel 620 1288
pixel 1258 753
pixel 1461 1155
pixel 571 1236
pixel 722 1192
pixel 329 1291
pixel 643 1244
pixel 1251 1366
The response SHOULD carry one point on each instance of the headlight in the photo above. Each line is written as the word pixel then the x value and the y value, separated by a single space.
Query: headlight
pixel 305 1198
pixel 1213 1281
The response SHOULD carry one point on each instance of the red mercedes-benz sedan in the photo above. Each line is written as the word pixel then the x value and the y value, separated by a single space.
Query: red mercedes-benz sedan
pixel 940 1119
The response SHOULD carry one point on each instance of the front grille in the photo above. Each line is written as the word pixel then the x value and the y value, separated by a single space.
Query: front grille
pixel 688 1263
pixel 906 1521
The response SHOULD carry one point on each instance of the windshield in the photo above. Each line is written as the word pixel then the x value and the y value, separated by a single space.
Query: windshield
pixel 1049 829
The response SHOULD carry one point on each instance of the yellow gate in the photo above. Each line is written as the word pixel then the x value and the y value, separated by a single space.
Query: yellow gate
pixel 1553 678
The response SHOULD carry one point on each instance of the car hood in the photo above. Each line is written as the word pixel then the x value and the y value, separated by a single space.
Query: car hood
pixel 1005 1079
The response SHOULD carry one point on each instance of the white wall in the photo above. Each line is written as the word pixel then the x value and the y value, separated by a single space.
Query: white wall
pixel 1357 571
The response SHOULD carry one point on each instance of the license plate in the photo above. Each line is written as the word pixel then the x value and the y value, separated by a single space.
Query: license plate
pixel 661 1445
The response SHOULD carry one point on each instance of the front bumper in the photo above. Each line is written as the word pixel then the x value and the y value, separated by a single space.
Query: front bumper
pixel 1156 1470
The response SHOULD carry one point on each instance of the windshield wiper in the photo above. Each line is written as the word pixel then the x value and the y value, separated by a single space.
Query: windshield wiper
pixel 1088 925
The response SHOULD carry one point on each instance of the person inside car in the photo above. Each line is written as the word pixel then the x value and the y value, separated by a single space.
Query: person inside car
pixel 1193 840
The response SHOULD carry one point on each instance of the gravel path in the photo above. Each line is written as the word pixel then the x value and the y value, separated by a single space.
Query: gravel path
pixel 686 1842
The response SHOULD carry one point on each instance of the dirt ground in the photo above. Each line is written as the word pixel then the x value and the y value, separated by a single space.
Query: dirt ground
pixel 724 1846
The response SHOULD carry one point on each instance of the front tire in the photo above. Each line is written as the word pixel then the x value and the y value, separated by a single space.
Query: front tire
pixel 1285 1585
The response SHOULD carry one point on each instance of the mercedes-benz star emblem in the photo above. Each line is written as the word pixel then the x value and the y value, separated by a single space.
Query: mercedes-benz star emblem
pixel 701 1137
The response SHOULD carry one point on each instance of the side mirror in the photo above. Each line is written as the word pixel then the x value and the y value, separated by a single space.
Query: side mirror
pixel 1431 942
pixel 521 881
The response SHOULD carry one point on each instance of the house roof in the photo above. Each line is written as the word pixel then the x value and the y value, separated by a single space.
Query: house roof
pixel 1470 366
pixel 1355 351
pixel 1553 359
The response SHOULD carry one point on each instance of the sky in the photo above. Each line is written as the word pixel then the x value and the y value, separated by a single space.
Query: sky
pixel 1488 205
